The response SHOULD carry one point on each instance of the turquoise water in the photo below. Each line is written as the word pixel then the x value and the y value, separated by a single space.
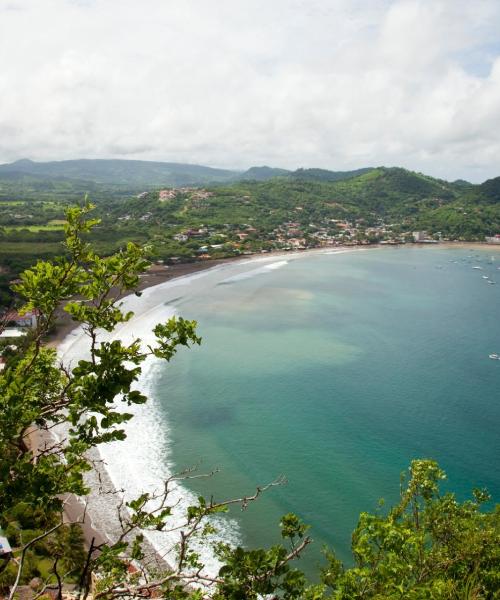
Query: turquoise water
pixel 336 371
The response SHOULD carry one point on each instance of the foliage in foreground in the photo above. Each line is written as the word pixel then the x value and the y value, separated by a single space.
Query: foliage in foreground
pixel 428 546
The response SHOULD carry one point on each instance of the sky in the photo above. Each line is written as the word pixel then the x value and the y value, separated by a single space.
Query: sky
pixel 336 84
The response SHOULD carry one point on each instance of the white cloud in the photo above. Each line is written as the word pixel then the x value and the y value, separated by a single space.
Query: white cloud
pixel 330 83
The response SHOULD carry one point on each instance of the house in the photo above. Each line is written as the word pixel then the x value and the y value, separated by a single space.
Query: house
pixel 297 243
pixel 4 545
pixel 10 332
pixel 29 319
pixel 167 195
pixel 181 237
pixel 419 236
pixel 494 239
pixel 196 233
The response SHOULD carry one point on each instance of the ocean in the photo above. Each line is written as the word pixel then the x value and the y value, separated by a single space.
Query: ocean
pixel 333 370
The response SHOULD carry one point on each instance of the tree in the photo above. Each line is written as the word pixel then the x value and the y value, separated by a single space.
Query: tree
pixel 428 546
pixel 37 395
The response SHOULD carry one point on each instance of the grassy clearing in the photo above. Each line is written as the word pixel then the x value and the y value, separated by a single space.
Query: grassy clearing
pixel 55 225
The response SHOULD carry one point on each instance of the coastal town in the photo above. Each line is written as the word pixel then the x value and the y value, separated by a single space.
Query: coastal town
pixel 206 241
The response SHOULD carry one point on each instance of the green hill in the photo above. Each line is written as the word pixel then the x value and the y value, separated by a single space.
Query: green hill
pixel 489 191
pixel 325 175
pixel 250 215
pixel 262 174
pixel 266 173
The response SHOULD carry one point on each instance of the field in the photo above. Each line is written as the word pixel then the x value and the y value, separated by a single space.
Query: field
pixel 53 225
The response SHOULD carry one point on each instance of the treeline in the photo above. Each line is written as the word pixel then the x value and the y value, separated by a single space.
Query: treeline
pixel 248 216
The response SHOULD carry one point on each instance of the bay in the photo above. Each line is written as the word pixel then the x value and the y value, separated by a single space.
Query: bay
pixel 336 371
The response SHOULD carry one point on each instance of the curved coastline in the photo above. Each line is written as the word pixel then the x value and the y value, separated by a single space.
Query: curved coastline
pixel 113 470
pixel 149 443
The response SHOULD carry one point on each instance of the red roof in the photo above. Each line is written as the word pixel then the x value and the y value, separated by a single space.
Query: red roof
pixel 13 315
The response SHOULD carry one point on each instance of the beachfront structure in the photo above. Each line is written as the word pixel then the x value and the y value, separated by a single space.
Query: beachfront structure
pixel 28 319
pixel 419 236
pixel 495 239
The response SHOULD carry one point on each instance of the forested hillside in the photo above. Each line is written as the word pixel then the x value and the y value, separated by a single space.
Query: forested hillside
pixel 269 209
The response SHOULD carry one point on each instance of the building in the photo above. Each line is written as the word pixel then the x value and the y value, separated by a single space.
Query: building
pixel 181 237
pixel 196 233
pixel 419 236
pixel 29 319
pixel 495 239
pixel 167 195
pixel 10 332
pixel 4 545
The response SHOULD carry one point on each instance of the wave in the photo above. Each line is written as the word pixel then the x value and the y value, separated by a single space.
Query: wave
pixel 141 463
pixel 254 272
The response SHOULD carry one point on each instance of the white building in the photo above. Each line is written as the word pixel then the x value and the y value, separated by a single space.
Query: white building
pixel 4 544
pixel 419 236
pixel 10 332
pixel 494 239
pixel 181 237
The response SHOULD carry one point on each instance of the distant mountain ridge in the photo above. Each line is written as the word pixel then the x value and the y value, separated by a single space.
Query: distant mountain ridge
pixel 153 174
pixel 116 171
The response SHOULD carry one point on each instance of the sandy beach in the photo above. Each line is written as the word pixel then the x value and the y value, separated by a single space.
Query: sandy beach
pixel 98 512
pixel 85 511
pixel 100 515
pixel 158 274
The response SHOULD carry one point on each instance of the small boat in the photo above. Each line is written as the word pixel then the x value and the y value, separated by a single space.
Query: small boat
pixel 485 277
pixel 492 282
pixel 494 356
pixel 481 268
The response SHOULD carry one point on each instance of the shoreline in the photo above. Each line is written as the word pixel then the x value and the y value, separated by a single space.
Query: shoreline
pixel 99 477
pixel 158 274
pixel 103 491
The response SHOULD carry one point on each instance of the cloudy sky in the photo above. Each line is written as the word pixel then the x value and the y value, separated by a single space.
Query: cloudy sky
pixel 232 83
